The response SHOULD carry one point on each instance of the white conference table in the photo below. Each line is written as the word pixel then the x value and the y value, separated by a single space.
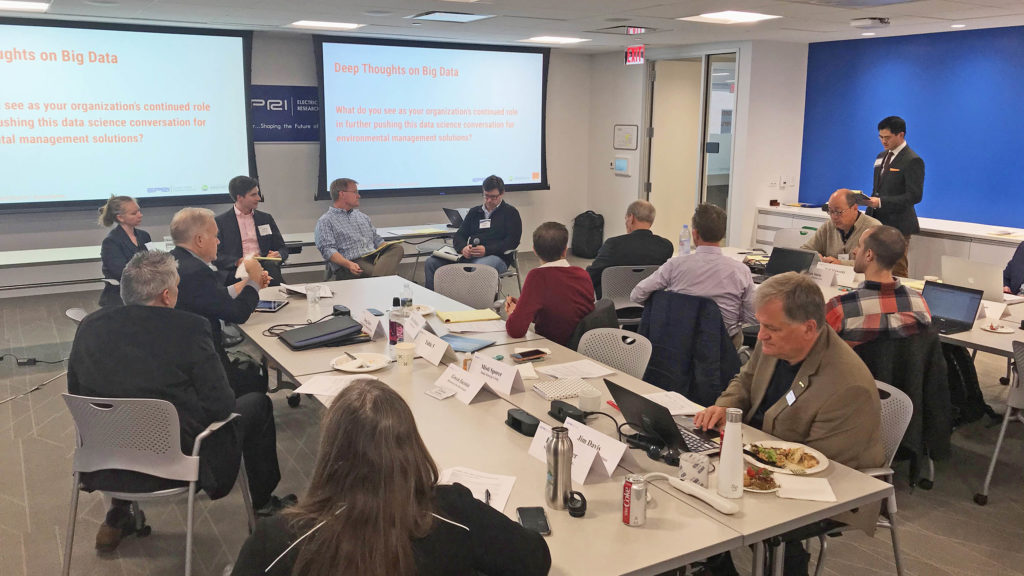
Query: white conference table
pixel 476 437
pixel 357 295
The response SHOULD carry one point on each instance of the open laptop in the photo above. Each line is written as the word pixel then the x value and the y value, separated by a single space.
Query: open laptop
pixel 953 308
pixel 455 216
pixel 787 260
pixel 978 275
pixel 655 421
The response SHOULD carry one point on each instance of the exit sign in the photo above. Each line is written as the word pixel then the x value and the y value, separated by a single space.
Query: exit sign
pixel 634 55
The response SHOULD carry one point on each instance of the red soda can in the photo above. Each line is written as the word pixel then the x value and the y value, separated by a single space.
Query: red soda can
pixel 634 500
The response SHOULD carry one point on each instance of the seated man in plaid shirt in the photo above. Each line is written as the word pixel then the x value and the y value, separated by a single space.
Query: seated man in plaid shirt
pixel 881 305
pixel 348 241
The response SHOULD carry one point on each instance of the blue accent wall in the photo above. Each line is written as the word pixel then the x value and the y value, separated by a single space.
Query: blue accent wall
pixel 962 95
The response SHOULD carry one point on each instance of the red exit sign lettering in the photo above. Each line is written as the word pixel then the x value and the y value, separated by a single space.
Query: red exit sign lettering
pixel 634 55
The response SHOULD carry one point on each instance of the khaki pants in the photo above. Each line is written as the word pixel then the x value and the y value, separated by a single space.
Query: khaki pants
pixel 901 268
pixel 383 263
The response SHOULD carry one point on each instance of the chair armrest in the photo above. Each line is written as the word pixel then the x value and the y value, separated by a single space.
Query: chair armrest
pixel 210 430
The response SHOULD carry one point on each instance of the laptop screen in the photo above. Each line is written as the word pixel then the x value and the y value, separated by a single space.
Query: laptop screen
pixel 952 302
pixel 789 260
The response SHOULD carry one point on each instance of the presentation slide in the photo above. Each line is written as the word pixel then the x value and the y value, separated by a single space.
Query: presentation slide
pixel 90 112
pixel 404 119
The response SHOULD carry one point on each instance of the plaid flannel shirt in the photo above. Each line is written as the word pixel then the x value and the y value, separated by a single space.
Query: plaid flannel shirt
pixel 876 309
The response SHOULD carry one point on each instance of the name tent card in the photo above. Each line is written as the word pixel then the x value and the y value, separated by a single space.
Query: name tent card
pixel 433 349
pixel 823 276
pixel 414 325
pixel 500 377
pixel 583 455
pixel 844 275
pixel 373 325
pixel 609 450
pixel 465 384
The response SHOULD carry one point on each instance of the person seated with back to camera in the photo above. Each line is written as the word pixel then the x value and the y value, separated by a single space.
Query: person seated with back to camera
pixel 556 296
pixel 487 233
pixel 122 242
pixel 245 232
pixel 374 507
pixel 637 247
pixel 880 306
pixel 148 349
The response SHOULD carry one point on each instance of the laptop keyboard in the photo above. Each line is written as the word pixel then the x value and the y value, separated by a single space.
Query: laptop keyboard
pixel 697 443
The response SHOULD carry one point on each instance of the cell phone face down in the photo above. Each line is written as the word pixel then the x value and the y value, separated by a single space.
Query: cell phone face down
pixel 270 305
pixel 374 311
pixel 534 518
pixel 528 355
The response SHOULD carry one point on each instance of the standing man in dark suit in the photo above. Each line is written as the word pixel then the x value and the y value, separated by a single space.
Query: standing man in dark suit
pixel 244 231
pixel 488 234
pixel 898 184
pixel 147 349
pixel 637 247
pixel 201 291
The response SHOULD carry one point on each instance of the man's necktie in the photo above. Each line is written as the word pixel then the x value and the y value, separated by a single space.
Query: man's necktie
pixel 885 165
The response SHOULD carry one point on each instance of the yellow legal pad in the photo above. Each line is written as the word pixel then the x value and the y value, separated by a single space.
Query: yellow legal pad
pixel 468 316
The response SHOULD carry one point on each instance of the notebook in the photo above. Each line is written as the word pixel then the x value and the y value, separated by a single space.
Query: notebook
pixel 561 388
pixel 468 315
pixel 324 333
pixel 953 308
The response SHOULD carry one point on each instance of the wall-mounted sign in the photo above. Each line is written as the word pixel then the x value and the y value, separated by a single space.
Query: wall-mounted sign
pixel 634 55
pixel 285 113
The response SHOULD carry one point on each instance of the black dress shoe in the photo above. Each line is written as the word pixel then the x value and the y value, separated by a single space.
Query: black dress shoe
pixel 276 504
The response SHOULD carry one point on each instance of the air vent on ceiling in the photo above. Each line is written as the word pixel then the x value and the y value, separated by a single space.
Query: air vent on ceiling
pixel 625 30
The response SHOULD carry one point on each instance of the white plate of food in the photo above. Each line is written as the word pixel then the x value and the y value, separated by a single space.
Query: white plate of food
pixel 997 328
pixel 788 457
pixel 422 309
pixel 363 362
pixel 759 480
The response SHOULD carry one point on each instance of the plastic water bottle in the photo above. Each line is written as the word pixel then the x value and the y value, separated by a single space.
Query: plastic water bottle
pixel 730 464
pixel 396 322
pixel 684 240
pixel 407 299
pixel 558 449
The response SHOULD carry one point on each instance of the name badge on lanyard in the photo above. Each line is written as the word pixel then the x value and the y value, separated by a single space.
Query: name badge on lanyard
pixel 485 224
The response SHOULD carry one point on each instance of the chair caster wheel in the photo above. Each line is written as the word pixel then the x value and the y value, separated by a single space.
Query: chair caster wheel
pixel 981 499
pixel 294 400
pixel 145 531
pixel 925 484
pixel 142 529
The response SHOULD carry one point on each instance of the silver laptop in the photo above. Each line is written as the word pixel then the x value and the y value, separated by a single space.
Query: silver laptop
pixel 971 274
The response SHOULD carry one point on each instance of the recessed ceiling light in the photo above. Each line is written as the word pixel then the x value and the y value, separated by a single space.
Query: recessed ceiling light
pixel 16 6
pixel 325 25
pixel 459 17
pixel 555 40
pixel 958 25
pixel 867 33
pixel 730 17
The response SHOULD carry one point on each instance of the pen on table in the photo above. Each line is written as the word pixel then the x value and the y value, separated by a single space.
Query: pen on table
pixel 487 497
pixel 613 405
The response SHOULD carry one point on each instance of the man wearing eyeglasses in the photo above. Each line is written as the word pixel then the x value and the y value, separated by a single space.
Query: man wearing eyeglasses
pixel 836 239
pixel 898 184
pixel 487 234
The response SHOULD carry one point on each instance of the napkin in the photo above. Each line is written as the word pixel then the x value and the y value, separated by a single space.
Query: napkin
pixel 801 488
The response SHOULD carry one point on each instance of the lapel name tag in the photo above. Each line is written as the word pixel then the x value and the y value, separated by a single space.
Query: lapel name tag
pixel 790 397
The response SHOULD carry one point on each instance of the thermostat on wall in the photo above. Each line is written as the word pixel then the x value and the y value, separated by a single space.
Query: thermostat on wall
pixel 621 166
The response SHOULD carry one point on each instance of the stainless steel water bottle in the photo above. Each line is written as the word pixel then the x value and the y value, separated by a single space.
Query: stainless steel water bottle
pixel 559 452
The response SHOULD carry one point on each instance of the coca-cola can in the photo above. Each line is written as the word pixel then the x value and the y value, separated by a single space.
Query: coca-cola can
pixel 634 500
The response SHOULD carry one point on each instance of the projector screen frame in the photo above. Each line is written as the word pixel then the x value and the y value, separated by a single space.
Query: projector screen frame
pixel 322 192
pixel 145 202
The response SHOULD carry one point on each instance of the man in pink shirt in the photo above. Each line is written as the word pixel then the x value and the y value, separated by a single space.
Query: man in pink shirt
pixel 244 231
pixel 555 295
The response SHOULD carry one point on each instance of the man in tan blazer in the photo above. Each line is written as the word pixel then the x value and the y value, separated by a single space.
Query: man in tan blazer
pixel 804 384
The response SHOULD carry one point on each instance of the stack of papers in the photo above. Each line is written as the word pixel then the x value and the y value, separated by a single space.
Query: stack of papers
pixel 577 369
pixel 484 326
pixel 468 316
pixel 492 489
pixel 326 386
pixel 677 404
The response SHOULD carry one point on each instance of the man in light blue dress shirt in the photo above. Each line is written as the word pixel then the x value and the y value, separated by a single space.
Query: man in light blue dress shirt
pixel 348 241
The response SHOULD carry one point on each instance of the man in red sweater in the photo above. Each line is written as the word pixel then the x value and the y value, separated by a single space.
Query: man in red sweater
pixel 555 295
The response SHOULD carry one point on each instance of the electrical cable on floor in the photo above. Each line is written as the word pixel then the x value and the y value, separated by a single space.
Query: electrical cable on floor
pixel 33 389
pixel 31 361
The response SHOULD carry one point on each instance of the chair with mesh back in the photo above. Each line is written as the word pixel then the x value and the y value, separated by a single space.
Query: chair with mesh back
pixel 617 282
pixel 141 435
pixel 791 237
pixel 475 285
pixel 75 314
pixel 513 269
pixel 621 349
pixel 897 410
pixel 1014 402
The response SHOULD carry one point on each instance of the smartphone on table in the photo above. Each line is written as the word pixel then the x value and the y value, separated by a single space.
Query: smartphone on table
pixel 534 518
pixel 529 356
pixel 270 305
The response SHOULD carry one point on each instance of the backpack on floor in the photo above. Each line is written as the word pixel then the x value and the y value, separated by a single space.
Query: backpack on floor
pixel 587 234
pixel 964 391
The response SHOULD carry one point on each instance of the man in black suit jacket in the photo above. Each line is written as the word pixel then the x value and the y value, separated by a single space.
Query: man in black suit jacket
pixel 200 289
pixel 260 232
pixel 898 184
pixel 638 247
pixel 147 349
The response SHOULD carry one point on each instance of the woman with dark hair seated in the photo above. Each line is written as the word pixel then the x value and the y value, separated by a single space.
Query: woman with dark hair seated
pixel 374 508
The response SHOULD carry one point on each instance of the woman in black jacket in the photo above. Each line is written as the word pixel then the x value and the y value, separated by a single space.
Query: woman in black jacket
pixel 123 242
pixel 374 508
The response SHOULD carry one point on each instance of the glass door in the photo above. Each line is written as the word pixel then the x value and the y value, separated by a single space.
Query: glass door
pixel 719 107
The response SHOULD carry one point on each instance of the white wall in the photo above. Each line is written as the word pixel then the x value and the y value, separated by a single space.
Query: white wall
pixel 288 172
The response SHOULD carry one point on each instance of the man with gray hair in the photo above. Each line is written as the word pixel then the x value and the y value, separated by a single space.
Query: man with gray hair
pixel 637 247
pixel 147 349
pixel 348 241
pixel 804 384
pixel 201 291
pixel 836 239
